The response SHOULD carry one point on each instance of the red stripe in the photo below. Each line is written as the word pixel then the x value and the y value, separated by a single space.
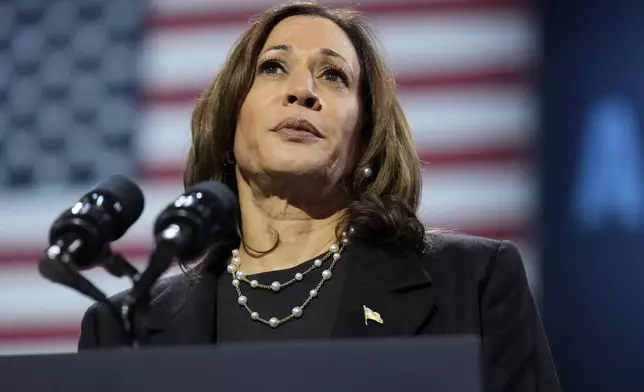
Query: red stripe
pixel 20 257
pixel 482 78
pixel 39 334
pixel 208 18
pixel 173 172
pixel 494 155
pixel 406 82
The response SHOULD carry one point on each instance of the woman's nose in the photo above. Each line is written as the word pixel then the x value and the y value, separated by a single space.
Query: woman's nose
pixel 301 93
pixel 306 100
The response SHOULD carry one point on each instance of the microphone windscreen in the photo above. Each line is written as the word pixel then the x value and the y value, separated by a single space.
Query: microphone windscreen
pixel 129 197
pixel 225 200
pixel 205 210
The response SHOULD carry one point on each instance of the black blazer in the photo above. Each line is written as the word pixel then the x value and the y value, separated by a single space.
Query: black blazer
pixel 461 285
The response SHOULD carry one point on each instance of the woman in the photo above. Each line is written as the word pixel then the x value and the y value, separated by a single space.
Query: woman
pixel 303 123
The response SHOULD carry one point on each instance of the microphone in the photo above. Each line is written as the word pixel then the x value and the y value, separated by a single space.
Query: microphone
pixel 185 228
pixel 195 218
pixel 81 235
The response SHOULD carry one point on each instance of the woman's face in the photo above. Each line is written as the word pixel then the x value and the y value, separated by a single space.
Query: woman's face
pixel 307 75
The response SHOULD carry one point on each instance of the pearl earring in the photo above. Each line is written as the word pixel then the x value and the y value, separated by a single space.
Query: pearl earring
pixel 367 172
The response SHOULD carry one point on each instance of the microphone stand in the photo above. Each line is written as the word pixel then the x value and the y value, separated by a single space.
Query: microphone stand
pixel 131 311
pixel 136 303
pixel 56 265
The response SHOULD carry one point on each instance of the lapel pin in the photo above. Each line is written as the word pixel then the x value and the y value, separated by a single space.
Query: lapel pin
pixel 371 315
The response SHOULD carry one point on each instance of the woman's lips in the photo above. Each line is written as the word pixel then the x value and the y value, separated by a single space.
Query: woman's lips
pixel 293 133
pixel 299 124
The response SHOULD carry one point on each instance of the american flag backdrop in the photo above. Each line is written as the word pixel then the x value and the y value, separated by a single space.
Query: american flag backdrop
pixel 90 88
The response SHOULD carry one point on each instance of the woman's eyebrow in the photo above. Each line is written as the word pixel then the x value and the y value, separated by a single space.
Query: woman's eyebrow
pixel 288 48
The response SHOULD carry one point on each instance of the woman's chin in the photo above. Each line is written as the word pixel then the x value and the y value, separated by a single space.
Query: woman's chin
pixel 293 167
pixel 296 171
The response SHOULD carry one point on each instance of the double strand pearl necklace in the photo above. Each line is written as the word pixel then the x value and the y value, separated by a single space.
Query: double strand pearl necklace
pixel 234 268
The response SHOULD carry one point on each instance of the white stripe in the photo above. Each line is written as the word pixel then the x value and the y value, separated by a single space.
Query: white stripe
pixel 164 135
pixel 28 299
pixel 458 42
pixel 50 346
pixel 458 196
pixel 425 44
pixel 473 118
pixel 468 198
pixel 172 7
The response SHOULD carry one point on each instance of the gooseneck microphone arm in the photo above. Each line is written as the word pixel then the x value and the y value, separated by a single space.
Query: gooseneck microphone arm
pixel 135 304
pixel 169 244
pixel 55 265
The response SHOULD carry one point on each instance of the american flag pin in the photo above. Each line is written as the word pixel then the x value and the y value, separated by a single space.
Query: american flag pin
pixel 371 315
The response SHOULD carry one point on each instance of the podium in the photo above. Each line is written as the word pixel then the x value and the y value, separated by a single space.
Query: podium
pixel 429 364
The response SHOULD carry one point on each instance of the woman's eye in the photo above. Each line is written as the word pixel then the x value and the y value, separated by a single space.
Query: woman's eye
pixel 271 67
pixel 335 76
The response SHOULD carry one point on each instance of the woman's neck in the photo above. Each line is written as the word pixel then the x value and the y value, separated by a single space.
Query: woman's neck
pixel 293 232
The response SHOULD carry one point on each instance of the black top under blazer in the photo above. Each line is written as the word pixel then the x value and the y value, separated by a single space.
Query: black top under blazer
pixel 460 285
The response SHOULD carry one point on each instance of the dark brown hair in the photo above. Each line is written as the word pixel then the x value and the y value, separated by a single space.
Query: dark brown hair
pixel 383 207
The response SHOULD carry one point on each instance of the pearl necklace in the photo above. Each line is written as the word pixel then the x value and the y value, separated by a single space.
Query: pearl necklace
pixel 234 268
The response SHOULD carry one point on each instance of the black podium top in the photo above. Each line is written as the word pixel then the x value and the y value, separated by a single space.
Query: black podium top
pixel 436 364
